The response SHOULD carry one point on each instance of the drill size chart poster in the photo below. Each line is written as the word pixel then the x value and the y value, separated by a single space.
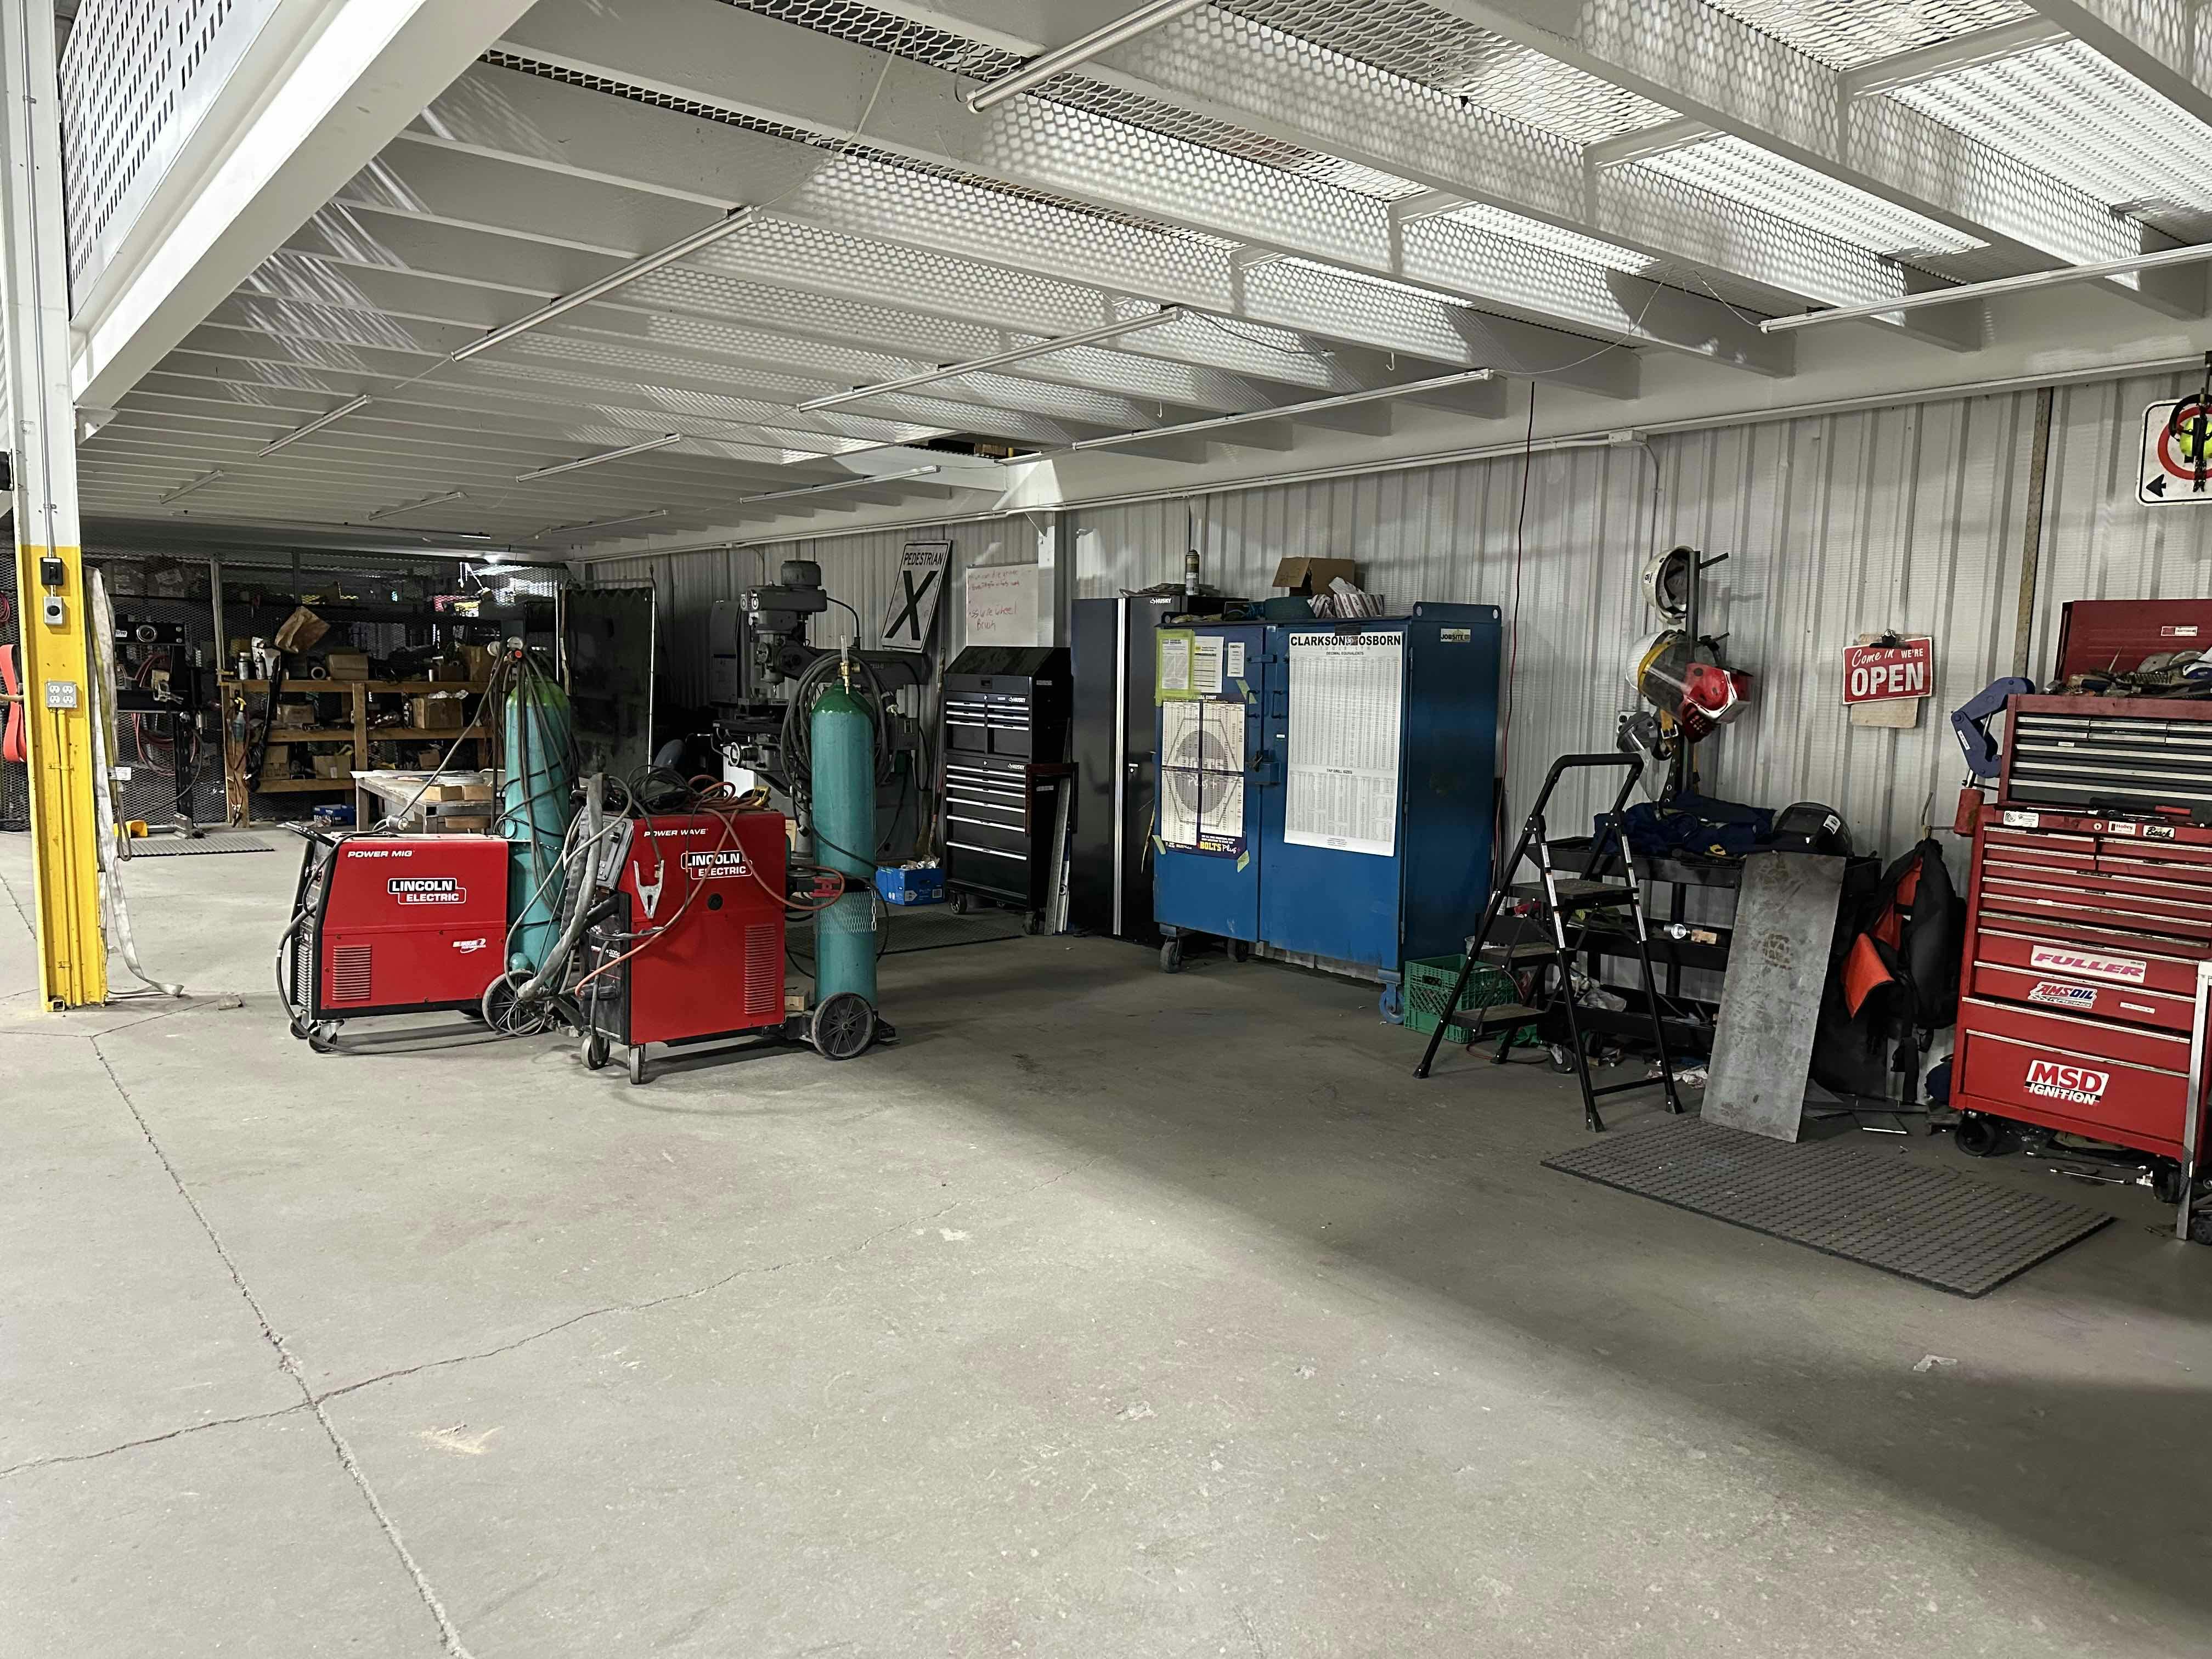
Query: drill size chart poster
pixel 1347 692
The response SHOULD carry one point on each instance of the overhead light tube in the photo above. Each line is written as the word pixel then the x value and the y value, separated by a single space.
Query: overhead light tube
pixel 1277 412
pixel 599 523
pixel 997 359
pixel 705 236
pixel 2194 254
pixel 858 481
pixel 1044 67
pixel 661 442
pixel 315 425
pixel 200 483
pixel 410 506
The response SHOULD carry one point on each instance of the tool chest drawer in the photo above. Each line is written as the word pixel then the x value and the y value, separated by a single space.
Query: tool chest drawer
pixel 2106 955
pixel 2090 1095
pixel 2127 1004
pixel 2075 1034
pixel 2029 904
pixel 2125 877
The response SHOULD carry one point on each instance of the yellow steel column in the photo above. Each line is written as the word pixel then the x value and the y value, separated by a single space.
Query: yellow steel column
pixel 49 572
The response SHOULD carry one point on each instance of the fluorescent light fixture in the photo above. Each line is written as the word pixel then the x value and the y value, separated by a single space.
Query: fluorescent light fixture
pixel 315 425
pixel 409 507
pixel 599 523
pixel 1043 68
pixel 1012 355
pixel 661 442
pixel 1278 412
pixel 2194 254
pixel 200 483
pixel 858 481
pixel 705 236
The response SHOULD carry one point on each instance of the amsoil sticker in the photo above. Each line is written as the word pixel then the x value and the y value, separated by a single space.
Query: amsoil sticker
pixel 2059 994
pixel 2077 1085
pixel 713 866
pixel 2128 970
pixel 428 889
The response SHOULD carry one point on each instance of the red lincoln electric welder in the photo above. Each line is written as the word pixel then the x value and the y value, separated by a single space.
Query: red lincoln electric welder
pixel 393 925
pixel 690 949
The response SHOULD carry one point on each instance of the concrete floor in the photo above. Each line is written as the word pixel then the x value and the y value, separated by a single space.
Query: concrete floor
pixel 1107 1315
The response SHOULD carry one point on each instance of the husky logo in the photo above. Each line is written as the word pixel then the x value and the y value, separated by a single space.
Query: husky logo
pixel 2061 994
pixel 2075 1084
pixel 428 889
pixel 707 866
pixel 2131 969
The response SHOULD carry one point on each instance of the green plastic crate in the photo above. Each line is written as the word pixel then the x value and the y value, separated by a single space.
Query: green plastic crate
pixel 1428 982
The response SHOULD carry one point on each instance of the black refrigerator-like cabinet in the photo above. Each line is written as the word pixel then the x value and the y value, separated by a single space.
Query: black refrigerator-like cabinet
pixel 1109 873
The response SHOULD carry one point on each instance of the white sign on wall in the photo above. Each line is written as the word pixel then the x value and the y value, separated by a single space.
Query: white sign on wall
pixel 908 622
pixel 1004 605
pixel 2176 469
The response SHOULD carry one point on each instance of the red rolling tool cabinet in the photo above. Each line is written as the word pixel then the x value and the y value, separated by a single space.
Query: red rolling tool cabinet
pixel 2089 910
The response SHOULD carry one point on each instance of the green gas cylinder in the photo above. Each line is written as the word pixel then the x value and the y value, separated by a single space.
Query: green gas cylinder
pixel 536 783
pixel 841 736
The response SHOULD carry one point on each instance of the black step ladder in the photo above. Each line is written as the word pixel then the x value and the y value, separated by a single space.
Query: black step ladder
pixel 1557 896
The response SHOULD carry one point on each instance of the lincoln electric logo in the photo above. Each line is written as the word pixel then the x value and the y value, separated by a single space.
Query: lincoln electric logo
pixel 707 866
pixel 428 889
pixel 2075 1084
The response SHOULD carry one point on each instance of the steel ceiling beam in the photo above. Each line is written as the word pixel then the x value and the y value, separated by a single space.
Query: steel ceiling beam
pixel 783 73
pixel 1695 58
pixel 2165 44
pixel 1228 68
pixel 958 246
pixel 320 91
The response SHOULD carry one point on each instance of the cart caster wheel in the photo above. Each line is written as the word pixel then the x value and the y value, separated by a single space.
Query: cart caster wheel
pixel 1171 957
pixel 323 1037
pixel 962 905
pixel 592 1051
pixel 843 1026
pixel 1393 1005
pixel 1560 1059
pixel 2165 1185
pixel 1033 924
pixel 1239 951
pixel 1979 1136
pixel 2200 1222
pixel 637 1065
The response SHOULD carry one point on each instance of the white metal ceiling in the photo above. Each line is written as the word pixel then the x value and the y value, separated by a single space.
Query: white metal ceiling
pixel 1341 197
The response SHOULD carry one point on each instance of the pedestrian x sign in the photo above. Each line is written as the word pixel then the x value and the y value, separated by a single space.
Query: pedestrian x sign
pixel 913 613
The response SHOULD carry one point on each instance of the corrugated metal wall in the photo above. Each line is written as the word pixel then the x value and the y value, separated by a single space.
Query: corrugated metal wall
pixel 1907 517
pixel 2101 542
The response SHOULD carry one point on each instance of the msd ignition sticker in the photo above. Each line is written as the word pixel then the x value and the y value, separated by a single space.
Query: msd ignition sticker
pixel 713 867
pixel 428 889
pixel 2077 1085
pixel 2128 970
pixel 2059 994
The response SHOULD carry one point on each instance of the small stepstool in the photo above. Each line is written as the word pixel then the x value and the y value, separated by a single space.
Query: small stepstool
pixel 1558 896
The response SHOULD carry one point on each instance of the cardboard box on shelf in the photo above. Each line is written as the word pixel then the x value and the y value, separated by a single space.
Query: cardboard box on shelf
pixel 448 668
pixel 334 763
pixel 1303 575
pixel 438 711
pixel 347 664
pixel 295 714
pixel 300 631
pixel 478 660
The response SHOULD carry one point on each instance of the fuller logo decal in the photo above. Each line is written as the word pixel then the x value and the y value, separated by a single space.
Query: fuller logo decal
pixel 428 889
pixel 2131 970
pixel 2075 1084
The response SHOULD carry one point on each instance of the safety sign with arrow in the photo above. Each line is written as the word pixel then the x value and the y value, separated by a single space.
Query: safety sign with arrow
pixel 2177 450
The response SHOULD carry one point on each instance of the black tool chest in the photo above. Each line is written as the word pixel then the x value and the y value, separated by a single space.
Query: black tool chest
pixel 1005 746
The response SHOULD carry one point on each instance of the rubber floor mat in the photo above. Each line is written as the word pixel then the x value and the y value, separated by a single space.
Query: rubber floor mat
pixel 1848 1197
pixel 176 847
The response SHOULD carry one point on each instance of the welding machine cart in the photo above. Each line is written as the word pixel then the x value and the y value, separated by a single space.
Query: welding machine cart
pixel 1327 786
pixel 391 924
pixel 690 947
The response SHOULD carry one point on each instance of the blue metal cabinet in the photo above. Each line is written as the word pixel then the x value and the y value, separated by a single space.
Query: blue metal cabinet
pixel 1215 890
pixel 1383 729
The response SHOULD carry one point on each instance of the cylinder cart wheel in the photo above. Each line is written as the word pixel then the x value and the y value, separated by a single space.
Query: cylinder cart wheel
pixel 1979 1136
pixel 323 1037
pixel 843 1026
pixel 1239 951
pixel 1391 1002
pixel 2200 1222
pixel 636 1064
pixel 1171 957
pixel 1033 924
pixel 592 1051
